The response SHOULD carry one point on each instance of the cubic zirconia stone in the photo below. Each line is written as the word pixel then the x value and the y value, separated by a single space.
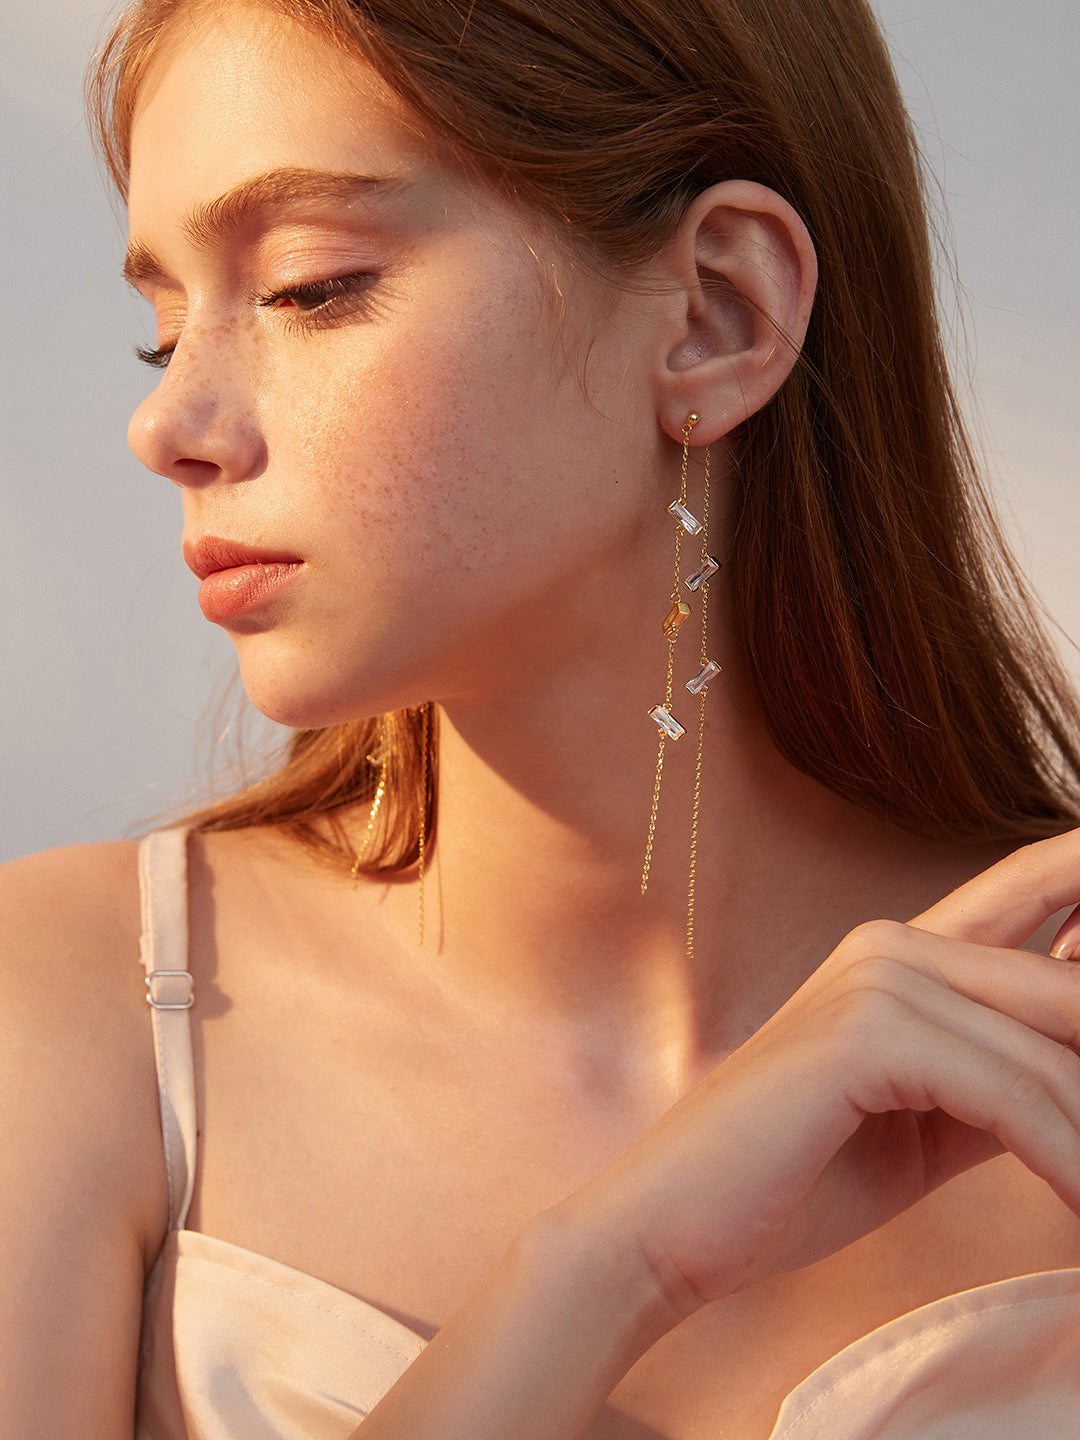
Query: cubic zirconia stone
pixel 690 523
pixel 675 617
pixel 667 722
pixel 708 570
pixel 708 672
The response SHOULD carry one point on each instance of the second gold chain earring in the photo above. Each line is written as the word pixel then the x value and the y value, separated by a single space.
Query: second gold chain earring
pixel 670 729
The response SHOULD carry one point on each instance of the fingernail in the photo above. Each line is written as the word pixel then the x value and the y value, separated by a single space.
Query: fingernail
pixel 1066 943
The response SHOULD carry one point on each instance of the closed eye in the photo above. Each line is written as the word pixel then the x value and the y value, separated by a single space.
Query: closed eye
pixel 315 304
pixel 159 357
pixel 325 300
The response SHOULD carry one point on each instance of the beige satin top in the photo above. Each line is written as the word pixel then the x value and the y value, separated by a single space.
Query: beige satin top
pixel 239 1347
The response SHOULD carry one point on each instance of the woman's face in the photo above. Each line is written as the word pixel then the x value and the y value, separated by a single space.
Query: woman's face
pixel 372 382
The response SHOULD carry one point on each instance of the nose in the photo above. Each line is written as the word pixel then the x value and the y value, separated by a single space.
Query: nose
pixel 196 428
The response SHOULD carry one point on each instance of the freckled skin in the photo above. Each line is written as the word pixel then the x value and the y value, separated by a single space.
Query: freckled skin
pixel 476 481
pixel 454 484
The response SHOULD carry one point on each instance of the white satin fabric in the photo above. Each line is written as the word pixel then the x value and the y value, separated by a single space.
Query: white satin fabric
pixel 1001 1362
pixel 236 1346
pixel 239 1347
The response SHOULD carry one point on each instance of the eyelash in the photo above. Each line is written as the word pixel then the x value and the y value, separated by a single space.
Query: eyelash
pixel 318 303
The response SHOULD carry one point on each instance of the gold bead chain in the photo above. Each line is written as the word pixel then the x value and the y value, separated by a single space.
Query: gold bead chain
pixel 691 421
pixel 424 712
pixel 659 776
pixel 381 757
pixel 378 757
pixel 703 591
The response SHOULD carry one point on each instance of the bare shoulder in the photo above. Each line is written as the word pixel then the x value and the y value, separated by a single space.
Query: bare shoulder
pixel 83 1206
pixel 75 1039
pixel 82 897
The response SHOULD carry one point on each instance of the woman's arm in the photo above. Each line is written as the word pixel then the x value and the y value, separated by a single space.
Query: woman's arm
pixel 81 1186
pixel 914 1053
pixel 537 1348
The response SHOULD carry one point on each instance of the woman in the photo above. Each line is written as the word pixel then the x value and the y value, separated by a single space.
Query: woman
pixel 601 1050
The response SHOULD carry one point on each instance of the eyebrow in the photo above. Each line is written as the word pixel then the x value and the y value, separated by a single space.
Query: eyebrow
pixel 214 220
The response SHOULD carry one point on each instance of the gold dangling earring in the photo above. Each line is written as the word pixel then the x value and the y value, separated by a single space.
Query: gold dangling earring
pixel 669 727
pixel 380 758
pixel 425 721
pixel 698 685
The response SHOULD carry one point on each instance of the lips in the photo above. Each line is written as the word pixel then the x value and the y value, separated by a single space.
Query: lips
pixel 238 579
pixel 207 556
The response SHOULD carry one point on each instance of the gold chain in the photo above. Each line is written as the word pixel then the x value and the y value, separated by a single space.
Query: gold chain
pixel 378 757
pixel 704 593
pixel 691 421
pixel 424 712
pixel 659 776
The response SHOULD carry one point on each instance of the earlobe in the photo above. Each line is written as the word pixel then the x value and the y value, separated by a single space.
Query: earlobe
pixel 744 273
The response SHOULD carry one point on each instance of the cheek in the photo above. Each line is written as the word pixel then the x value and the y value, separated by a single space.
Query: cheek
pixel 452 481
pixel 457 444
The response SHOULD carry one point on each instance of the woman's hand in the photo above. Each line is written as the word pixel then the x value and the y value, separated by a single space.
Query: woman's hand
pixel 915 1052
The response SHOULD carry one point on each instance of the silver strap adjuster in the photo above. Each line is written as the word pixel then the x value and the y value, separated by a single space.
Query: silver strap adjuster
pixel 153 995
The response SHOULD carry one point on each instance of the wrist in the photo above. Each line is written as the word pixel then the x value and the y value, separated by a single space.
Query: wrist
pixel 620 1303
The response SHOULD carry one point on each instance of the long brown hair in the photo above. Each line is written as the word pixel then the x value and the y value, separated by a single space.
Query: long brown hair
pixel 896 654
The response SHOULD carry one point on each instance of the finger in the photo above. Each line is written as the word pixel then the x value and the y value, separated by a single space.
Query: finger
pixel 1032 989
pixel 1038 1043
pixel 1014 1085
pixel 1004 1000
pixel 1066 943
pixel 1006 904
pixel 1010 1102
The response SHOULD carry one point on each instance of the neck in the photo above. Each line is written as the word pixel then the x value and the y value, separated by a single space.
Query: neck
pixel 534 882
pixel 546 776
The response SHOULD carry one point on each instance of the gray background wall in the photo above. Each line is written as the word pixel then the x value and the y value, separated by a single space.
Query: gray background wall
pixel 108 673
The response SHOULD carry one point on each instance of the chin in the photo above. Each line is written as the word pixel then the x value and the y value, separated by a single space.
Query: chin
pixel 305 710
pixel 305 702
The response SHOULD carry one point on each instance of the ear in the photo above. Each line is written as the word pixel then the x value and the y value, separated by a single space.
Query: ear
pixel 742 271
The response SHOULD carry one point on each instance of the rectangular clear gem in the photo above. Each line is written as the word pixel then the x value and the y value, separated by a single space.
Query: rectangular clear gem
pixel 667 722
pixel 708 672
pixel 690 523
pixel 709 567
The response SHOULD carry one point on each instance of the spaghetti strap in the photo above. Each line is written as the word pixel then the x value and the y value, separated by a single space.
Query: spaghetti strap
pixel 170 992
